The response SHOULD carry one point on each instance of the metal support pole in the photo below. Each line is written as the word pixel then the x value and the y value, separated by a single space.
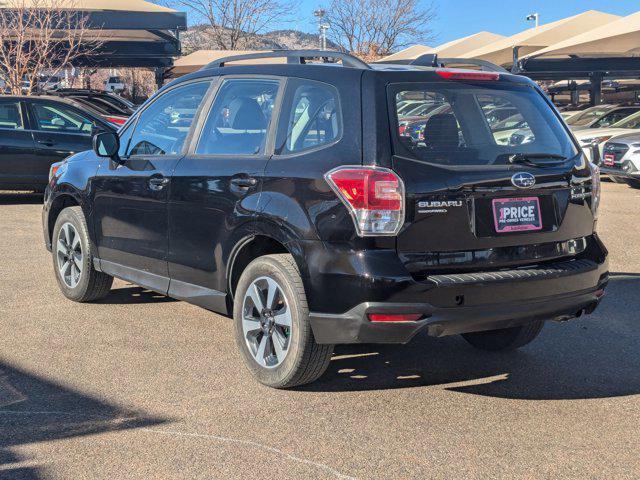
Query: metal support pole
pixel 160 71
pixel 596 88
pixel 515 68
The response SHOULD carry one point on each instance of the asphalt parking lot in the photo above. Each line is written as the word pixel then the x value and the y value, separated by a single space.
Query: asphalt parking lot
pixel 141 386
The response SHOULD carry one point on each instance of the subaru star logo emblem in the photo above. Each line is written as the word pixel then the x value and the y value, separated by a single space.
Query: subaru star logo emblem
pixel 523 180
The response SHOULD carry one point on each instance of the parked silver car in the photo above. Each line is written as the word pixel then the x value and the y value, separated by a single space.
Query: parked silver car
pixel 621 158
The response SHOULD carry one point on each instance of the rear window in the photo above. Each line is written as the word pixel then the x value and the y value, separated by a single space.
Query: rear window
pixel 461 124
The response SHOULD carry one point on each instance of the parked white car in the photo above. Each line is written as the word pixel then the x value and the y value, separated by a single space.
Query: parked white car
pixel 598 136
pixel 114 84
pixel 49 82
pixel 621 159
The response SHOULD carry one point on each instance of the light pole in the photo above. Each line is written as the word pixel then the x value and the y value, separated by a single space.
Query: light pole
pixel 534 17
pixel 322 27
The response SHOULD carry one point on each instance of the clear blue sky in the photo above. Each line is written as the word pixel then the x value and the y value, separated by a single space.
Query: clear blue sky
pixel 459 18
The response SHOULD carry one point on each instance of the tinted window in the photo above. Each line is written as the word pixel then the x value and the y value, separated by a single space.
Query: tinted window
pixel 164 125
pixel 239 118
pixel 313 117
pixel 614 117
pixel 54 117
pixel 588 116
pixel 11 116
pixel 632 121
pixel 464 124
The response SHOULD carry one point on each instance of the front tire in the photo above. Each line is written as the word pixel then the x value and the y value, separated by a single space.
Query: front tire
pixel 272 325
pixel 505 339
pixel 615 179
pixel 73 259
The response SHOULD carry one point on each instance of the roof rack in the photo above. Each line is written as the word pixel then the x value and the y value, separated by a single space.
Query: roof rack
pixel 432 60
pixel 295 57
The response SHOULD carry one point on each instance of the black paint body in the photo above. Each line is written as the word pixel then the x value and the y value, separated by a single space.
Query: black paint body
pixel 186 239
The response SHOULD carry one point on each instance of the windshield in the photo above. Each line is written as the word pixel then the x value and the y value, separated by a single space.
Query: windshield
pixel 467 124
pixel 589 115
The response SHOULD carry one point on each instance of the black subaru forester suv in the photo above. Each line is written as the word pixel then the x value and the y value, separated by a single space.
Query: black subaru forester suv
pixel 329 203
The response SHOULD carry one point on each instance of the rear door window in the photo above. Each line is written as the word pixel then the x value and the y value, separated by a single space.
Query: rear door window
pixel 239 118
pixel 468 124
pixel 311 117
pixel 11 116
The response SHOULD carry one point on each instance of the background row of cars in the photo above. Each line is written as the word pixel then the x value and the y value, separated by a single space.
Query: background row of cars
pixel 39 130
pixel 47 83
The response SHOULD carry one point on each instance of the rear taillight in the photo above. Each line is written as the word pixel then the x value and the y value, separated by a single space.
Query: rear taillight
pixel 373 195
pixel 117 120
pixel 470 76
pixel 595 188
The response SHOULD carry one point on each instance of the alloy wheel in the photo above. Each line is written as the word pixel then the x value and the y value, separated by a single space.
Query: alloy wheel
pixel 266 322
pixel 70 256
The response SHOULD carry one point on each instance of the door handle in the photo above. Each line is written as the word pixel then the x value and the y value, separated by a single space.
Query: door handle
pixel 48 142
pixel 158 183
pixel 244 182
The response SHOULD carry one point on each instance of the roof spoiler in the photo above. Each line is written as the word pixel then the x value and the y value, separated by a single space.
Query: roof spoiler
pixel 297 57
pixel 432 60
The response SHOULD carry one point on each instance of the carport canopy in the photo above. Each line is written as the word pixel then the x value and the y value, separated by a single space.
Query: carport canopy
pixel 196 60
pixel 453 49
pixel 534 39
pixel 620 38
pixel 131 33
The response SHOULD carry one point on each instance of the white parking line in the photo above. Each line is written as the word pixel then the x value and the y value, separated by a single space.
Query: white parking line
pixel 320 466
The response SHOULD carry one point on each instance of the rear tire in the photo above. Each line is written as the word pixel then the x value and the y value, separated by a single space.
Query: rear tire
pixel 634 183
pixel 615 179
pixel 73 259
pixel 505 339
pixel 275 337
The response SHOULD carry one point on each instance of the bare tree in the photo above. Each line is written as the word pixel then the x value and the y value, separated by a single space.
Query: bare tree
pixel 41 36
pixel 235 23
pixel 374 28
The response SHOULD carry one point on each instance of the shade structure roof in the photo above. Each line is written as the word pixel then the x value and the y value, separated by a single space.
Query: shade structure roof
pixel 409 53
pixel 197 60
pixel 538 38
pixel 619 38
pixel 453 49
pixel 132 33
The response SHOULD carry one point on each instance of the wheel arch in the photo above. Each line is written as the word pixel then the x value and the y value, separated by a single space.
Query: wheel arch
pixel 61 201
pixel 259 243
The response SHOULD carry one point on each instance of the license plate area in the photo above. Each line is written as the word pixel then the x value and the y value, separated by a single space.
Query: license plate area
pixel 609 159
pixel 517 214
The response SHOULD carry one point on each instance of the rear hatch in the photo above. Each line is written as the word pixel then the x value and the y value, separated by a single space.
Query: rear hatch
pixel 493 180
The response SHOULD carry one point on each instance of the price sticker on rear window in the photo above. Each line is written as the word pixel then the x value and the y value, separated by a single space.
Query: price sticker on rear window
pixel 517 214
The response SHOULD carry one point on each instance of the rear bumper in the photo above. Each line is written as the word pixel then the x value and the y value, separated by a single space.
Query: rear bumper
pixel 355 327
pixel 454 304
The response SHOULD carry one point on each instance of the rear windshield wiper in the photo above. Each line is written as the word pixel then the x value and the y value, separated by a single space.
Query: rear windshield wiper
pixel 537 159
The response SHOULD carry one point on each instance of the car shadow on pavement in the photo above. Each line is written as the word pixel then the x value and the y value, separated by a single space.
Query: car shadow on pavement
pixel 21 198
pixel 34 409
pixel 132 294
pixel 596 356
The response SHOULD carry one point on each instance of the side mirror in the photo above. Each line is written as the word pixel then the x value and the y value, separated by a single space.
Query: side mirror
pixel 107 145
